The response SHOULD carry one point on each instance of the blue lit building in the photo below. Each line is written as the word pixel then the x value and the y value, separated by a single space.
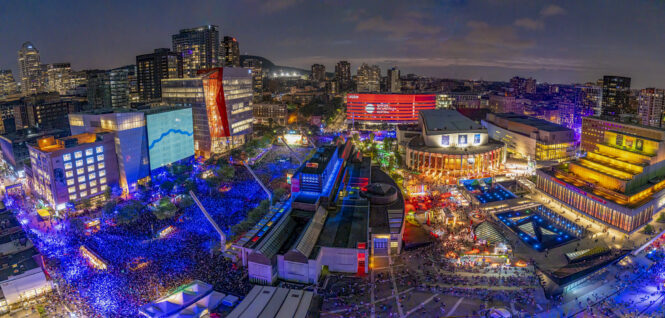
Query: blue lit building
pixel 313 175
pixel 170 136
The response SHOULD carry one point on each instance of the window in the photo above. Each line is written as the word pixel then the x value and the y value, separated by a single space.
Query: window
pixel 81 179
pixel 102 173
pixel 104 187
pixel 99 149
pixel 82 186
pixel 79 163
pixel 445 140
pixel 83 193
pixel 72 196
pixel 68 165
pixel 93 191
pixel 93 183
pixel 71 189
pixel 476 139
pixel 70 182
pixel 91 176
pixel 67 157
pixel 69 174
pixel 91 168
pixel 88 152
pixel 78 154
pixel 100 157
pixel 80 171
pixel 102 180
pixel 89 160
pixel 100 165
pixel 461 140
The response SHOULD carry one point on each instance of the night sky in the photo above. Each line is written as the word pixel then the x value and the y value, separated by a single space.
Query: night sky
pixel 556 42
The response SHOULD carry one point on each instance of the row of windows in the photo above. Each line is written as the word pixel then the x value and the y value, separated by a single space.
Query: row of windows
pixel 88 152
pixel 84 193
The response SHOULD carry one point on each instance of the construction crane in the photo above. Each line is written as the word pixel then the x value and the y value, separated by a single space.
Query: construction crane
pixel 214 224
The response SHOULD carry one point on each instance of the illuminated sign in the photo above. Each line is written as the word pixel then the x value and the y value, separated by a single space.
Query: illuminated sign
pixel 170 136
pixel 388 107
pixel 461 139
pixel 445 140
pixel 312 165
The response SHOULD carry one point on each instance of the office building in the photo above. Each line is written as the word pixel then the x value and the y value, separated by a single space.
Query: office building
pixel 199 48
pixel 521 86
pixel 616 96
pixel 29 69
pixel 44 110
pixel 7 83
pixel 256 66
pixel 14 145
pixel 651 105
pixel 59 78
pixel 594 128
pixel 98 93
pixel 267 114
pixel 221 102
pixel 73 168
pixel 22 279
pixel 318 73
pixel 394 81
pixel 343 75
pixel 507 104
pixel 152 68
pixel 112 88
pixel 590 97
pixel 231 52
pixel 368 78
pixel 531 138
pixel 619 182
pixel 452 147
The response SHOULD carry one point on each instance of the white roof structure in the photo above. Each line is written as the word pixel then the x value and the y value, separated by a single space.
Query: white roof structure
pixel 270 302
pixel 192 300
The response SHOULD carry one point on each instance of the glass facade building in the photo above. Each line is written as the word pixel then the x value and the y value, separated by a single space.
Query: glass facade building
pixel 170 136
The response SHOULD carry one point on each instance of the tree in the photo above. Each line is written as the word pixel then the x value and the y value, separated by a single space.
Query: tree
pixel 165 209
pixel 661 218
pixel 186 201
pixel 278 194
pixel 129 212
pixel 648 229
pixel 109 208
pixel 166 186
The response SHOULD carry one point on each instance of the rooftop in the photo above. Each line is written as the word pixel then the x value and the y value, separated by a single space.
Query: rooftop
pixel 448 120
pixel 417 143
pixel 51 144
pixel 532 121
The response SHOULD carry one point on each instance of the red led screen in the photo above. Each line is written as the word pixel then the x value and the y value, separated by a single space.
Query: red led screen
pixel 387 107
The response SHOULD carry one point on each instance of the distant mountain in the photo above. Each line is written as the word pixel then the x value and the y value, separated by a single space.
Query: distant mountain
pixel 269 66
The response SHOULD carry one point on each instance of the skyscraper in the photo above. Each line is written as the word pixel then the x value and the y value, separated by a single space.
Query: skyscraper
pixel 394 82
pixel 152 68
pixel 231 51
pixel 318 72
pixel 58 77
pixel 198 47
pixel 109 89
pixel 369 78
pixel 7 83
pixel 616 96
pixel 343 75
pixel 256 66
pixel 651 105
pixel 29 69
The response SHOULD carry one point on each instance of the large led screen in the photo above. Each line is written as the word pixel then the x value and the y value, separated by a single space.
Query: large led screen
pixel 387 107
pixel 170 136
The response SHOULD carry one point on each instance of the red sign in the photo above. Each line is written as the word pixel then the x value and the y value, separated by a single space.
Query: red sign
pixel 388 107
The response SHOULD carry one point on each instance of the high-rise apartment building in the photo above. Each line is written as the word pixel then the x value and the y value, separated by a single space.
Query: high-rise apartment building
pixel 521 85
pixel 152 68
pixel 30 70
pixel 651 104
pixel 110 89
pixel 369 78
pixel 231 51
pixel 616 96
pixel 221 102
pixel 394 81
pixel 44 110
pixel 318 72
pixel 198 47
pixel 343 75
pixel 59 78
pixel 256 66
pixel 7 83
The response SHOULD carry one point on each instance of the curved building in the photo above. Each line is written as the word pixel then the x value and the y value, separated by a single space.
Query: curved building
pixel 453 147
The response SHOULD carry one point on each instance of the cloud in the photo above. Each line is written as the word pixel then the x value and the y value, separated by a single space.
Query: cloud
pixel 404 24
pixel 272 6
pixel 552 10
pixel 529 24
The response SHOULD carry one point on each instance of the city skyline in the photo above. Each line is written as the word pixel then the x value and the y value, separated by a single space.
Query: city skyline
pixel 566 42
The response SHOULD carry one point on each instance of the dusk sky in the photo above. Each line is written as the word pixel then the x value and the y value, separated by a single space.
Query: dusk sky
pixel 556 42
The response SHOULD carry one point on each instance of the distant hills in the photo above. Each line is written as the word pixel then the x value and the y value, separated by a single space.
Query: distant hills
pixel 269 66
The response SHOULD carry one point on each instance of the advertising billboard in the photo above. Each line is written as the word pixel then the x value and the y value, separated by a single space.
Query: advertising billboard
pixel 387 107
pixel 170 136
